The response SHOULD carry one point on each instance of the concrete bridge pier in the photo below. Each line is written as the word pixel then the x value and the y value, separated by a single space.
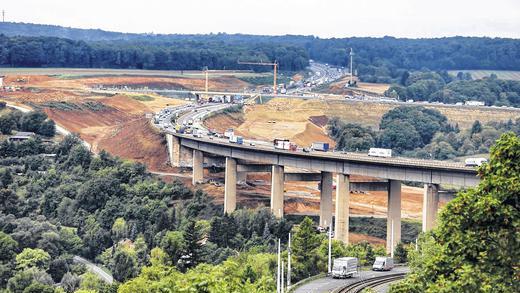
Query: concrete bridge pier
pixel 326 199
pixel 242 177
pixel 277 190
pixel 430 206
pixel 198 167
pixel 393 223
pixel 174 150
pixel 342 207
pixel 230 188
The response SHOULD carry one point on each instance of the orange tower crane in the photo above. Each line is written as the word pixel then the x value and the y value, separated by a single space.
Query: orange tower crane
pixel 275 66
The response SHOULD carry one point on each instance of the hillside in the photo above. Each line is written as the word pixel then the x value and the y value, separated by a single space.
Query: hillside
pixel 382 60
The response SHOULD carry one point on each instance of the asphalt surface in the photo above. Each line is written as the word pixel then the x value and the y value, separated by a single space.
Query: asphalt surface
pixel 95 269
pixel 328 284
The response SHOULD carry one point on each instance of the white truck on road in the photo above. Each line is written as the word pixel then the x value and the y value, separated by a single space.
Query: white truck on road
pixel 377 152
pixel 344 267
pixel 383 263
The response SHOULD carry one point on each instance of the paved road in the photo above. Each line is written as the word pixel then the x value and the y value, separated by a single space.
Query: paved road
pixel 329 284
pixel 95 269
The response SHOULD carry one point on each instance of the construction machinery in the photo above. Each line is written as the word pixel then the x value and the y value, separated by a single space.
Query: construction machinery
pixel 275 68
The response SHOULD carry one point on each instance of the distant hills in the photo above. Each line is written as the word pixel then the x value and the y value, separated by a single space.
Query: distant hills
pixel 383 60
pixel 37 30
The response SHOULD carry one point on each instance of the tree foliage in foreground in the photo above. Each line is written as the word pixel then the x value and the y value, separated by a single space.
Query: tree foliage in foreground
pixel 476 246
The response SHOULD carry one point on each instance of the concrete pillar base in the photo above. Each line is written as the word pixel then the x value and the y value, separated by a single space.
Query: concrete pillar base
pixel 393 215
pixel 430 206
pixel 326 199
pixel 230 188
pixel 277 190
pixel 242 177
pixel 198 167
pixel 342 207
pixel 174 150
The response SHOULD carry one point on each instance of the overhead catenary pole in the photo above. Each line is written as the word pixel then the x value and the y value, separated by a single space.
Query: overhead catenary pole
pixel 392 241
pixel 278 271
pixel 289 262
pixel 330 250
pixel 281 276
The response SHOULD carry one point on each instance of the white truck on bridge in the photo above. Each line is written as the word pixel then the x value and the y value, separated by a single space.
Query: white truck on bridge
pixel 344 267
pixel 378 152
pixel 475 162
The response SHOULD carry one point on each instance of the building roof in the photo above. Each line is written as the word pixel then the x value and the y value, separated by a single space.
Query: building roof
pixel 25 133
pixel 22 135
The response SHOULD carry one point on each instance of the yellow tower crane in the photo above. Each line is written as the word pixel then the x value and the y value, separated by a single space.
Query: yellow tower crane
pixel 275 66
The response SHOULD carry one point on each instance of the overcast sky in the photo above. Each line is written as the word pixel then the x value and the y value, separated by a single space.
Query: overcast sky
pixel 324 18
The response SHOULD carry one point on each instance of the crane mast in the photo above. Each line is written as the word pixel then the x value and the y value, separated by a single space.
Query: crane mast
pixel 275 69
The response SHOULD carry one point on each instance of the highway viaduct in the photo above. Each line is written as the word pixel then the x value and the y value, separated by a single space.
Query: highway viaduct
pixel 240 159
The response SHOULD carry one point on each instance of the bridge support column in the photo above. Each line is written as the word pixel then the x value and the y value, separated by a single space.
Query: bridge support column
pixel 242 177
pixel 342 207
pixel 198 167
pixel 393 215
pixel 277 190
pixel 430 206
pixel 174 150
pixel 230 188
pixel 326 199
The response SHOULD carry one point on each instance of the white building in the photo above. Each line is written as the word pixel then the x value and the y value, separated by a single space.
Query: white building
pixel 1 80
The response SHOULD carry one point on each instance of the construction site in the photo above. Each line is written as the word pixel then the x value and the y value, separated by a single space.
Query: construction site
pixel 120 124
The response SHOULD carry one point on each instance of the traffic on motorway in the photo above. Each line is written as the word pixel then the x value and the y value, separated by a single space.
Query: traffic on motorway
pixel 188 119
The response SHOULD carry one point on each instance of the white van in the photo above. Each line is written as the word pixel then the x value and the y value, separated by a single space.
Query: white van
pixel 344 267
pixel 383 263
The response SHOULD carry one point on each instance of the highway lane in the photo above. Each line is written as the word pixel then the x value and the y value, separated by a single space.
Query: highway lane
pixel 358 157
pixel 197 112
pixel 328 284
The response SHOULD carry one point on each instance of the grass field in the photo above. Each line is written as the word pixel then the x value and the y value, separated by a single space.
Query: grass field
pixel 479 74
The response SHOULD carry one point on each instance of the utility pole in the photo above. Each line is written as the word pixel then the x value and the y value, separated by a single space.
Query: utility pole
pixel 278 289
pixel 392 241
pixel 351 70
pixel 281 276
pixel 289 262
pixel 330 249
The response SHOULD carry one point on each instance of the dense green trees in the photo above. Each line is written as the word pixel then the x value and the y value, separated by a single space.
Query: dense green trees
pixel 385 59
pixel 34 121
pixel 351 136
pixel 173 54
pixel 434 87
pixel 475 247
pixel 402 128
pixel 405 128
pixel 306 242
pixel 420 132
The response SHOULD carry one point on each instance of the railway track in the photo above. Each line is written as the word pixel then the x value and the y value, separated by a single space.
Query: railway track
pixel 359 286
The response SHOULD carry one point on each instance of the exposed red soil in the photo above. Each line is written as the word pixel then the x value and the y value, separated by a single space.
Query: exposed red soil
pixel 320 121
